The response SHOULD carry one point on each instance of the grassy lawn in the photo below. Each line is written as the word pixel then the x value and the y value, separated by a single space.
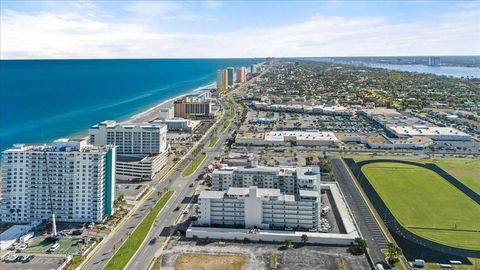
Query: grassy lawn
pixel 209 262
pixel 75 262
pixel 192 167
pixel 467 171
pixel 423 202
pixel 128 249
pixel 213 141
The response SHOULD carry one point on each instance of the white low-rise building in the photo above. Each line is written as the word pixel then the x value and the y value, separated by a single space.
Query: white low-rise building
pixel 263 208
pixel 279 138
pixel 434 133
pixel 138 168
pixel 178 124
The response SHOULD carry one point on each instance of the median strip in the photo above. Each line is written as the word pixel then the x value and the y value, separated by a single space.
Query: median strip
pixel 135 240
pixel 213 141
pixel 192 167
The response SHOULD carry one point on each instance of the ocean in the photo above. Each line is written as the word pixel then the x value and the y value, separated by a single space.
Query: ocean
pixel 42 100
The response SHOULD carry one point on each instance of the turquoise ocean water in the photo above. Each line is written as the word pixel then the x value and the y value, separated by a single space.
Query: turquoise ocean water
pixel 41 100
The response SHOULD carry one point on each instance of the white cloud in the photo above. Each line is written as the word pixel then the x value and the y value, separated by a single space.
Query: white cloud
pixel 212 3
pixel 80 35
pixel 162 10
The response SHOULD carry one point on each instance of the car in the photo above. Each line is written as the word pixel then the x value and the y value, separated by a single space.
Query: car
pixel 22 246
pixel 29 258
pixel 54 247
pixel 193 218
pixel 76 232
pixel 185 212
pixel 288 229
pixel 312 230
pixel 13 258
pixel 176 208
pixel 191 185
pixel 153 241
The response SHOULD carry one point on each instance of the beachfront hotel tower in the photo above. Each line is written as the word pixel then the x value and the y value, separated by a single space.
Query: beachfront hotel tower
pixel 142 148
pixel 230 76
pixel 130 139
pixel 222 80
pixel 81 178
pixel 241 75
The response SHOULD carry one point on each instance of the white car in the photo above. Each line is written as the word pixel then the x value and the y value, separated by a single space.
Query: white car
pixel 54 247
pixel 23 246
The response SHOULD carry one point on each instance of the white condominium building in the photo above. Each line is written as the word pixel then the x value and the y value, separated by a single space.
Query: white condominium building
pixel 263 208
pixel 82 182
pixel 288 180
pixel 142 148
pixel 131 139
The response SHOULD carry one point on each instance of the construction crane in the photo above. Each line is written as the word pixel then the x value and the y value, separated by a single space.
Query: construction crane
pixel 53 236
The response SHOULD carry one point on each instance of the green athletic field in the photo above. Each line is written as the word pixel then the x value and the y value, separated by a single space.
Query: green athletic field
pixel 466 171
pixel 426 204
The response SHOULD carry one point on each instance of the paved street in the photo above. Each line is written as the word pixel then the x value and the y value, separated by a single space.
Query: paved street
pixel 369 227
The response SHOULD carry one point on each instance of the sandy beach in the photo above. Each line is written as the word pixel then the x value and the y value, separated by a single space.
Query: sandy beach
pixel 152 113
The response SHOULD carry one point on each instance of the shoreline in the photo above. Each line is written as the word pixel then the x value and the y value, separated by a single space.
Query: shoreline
pixel 142 116
pixel 150 112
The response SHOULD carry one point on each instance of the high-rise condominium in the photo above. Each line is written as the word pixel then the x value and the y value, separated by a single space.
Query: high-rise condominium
pixel 78 178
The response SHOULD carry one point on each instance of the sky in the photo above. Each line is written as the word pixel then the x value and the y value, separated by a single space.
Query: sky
pixel 236 29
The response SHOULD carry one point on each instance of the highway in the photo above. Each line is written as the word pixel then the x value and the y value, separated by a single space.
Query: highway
pixel 369 227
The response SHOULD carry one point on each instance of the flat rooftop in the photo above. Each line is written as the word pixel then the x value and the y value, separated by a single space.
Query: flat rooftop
pixel 427 131
pixel 382 111
pixel 250 135
pixel 301 135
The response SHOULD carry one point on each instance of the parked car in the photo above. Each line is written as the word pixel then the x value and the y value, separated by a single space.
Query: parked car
pixel 54 247
pixel 23 246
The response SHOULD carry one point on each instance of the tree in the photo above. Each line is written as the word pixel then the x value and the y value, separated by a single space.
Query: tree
pixel 304 238
pixel 362 244
pixel 393 252
pixel 288 243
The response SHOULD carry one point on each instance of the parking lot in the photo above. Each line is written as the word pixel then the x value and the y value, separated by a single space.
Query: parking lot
pixel 297 121
pixel 37 263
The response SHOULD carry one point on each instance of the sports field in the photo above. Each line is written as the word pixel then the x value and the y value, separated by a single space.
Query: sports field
pixel 426 204
pixel 466 171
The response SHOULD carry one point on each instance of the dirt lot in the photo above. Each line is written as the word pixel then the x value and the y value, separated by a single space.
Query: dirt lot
pixel 209 262
pixel 258 256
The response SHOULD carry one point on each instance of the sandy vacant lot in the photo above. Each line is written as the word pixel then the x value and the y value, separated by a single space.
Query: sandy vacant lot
pixel 186 261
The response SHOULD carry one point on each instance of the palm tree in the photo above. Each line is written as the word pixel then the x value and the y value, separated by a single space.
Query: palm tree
pixel 361 243
pixel 304 238
pixel 393 252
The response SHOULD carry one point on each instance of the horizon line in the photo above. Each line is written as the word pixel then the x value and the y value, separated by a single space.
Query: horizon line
pixel 220 58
